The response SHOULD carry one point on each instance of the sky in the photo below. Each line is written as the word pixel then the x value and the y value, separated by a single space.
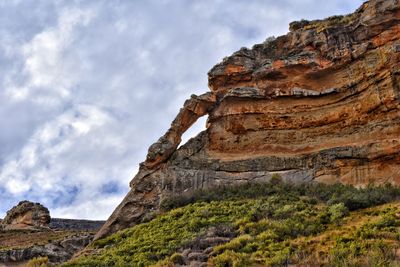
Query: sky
pixel 87 86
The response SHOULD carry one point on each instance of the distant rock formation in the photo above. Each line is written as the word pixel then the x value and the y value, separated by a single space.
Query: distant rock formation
pixel 27 232
pixel 75 225
pixel 321 103
pixel 26 215
pixel 57 251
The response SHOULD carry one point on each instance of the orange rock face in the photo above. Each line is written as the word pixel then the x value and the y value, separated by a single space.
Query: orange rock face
pixel 26 215
pixel 318 104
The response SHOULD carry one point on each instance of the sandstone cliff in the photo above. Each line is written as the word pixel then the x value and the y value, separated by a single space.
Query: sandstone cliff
pixel 318 104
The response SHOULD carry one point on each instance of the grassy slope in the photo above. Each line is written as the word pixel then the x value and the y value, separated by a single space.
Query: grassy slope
pixel 274 224
pixel 17 239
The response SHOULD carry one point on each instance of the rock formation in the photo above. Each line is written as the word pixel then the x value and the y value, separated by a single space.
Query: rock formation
pixel 320 103
pixel 57 251
pixel 27 232
pixel 75 225
pixel 26 215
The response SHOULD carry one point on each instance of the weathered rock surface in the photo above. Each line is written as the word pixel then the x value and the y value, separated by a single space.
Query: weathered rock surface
pixel 57 251
pixel 27 232
pixel 197 252
pixel 26 215
pixel 318 104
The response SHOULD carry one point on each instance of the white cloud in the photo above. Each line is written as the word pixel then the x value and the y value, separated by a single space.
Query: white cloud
pixel 49 76
pixel 94 207
pixel 17 186
pixel 55 152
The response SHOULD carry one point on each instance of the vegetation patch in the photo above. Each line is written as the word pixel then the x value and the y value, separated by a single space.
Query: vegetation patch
pixel 353 198
pixel 273 224
pixel 320 25
pixel 38 262
pixel 18 239
pixel 369 237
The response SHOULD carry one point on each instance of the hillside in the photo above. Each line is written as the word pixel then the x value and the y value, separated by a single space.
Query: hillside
pixel 57 241
pixel 273 224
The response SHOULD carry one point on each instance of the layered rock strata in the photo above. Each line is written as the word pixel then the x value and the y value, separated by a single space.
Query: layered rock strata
pixel 57 251
pixel 318 104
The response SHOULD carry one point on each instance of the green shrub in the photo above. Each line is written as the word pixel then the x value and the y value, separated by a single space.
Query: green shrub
pixel 276 179
pixel 38 262
pixel 230 259
pixel 387 220
pixel 236 244
pixel 353 198
pixel 381 254
pixel 177 258
pixel 337 212
pixel 280 258
pixel 266 222
pixel 329 22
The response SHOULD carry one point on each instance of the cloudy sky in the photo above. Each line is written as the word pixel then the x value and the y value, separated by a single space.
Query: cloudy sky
pixel 87 86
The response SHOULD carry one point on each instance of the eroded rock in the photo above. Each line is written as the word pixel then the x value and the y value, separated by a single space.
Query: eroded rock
pixel 57 251
pixel 27 215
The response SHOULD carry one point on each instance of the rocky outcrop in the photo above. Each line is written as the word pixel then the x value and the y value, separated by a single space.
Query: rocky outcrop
pixel 27 232
pixel 198 251
pixel 318 104
pixel 57 251
pixel 26 215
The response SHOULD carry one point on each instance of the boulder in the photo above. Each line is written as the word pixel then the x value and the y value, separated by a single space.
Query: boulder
pixel 26 215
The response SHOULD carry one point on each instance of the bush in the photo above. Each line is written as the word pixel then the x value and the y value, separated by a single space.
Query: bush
pixel 231 259
pixel 332 21
pixel 276 179
pixel 38 262
pixel 281 258
pixel 387 221
pixel 337 212
pixel 234 245
pixel 353 198
pixel 177 258
pixel 269 224
pixel 381 254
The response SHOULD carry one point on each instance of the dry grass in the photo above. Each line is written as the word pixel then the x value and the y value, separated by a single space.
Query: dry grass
pixel 16 239
pixel 318 249
pixel 38 262
pixel 330 22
